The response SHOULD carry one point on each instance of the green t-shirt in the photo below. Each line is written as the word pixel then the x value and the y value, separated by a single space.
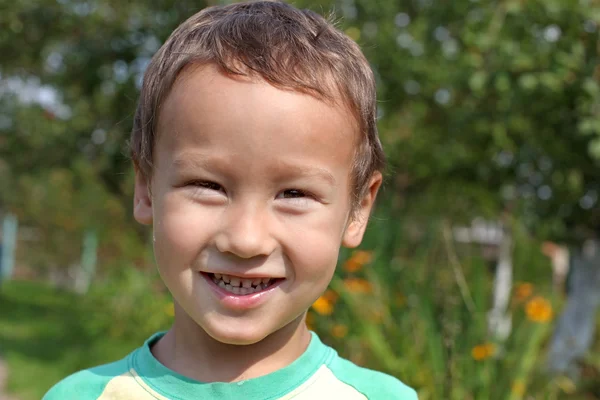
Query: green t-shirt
pixel 318 374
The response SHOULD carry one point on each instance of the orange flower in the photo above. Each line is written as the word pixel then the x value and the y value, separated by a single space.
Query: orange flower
pixel 339 331
pixel 357 285
pixel 357 260
pixel 483 351
pixel 323 306
pixel 539 309
pixel 330 295
pixel 523 291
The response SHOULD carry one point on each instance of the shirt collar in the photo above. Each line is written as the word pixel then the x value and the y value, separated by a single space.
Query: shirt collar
pixel 274 385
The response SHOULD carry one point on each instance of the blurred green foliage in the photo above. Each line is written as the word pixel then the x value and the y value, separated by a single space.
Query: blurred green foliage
pixel 490 106
pixel 486 108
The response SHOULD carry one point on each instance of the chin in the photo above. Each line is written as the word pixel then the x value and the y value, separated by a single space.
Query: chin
pixel 236 337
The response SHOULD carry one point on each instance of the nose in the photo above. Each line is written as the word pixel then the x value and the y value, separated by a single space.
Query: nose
pixel 246 232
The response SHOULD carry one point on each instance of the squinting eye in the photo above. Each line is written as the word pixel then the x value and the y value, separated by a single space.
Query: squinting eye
pixel 293 194
pixel 207 185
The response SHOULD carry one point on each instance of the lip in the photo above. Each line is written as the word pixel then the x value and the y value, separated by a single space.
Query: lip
pixel 238 301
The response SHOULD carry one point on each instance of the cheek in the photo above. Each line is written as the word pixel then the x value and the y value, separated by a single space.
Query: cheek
pixel 314 249
pixel 180 228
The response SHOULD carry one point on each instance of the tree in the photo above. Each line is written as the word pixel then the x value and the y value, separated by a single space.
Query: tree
pixel 489 106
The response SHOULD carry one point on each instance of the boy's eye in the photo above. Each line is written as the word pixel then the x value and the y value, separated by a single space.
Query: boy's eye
pixel 292 194
pixel 207 185
pixel 296 199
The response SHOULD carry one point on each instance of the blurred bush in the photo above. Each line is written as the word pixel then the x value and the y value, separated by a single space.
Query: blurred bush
pixel 487 109
pixel 136 302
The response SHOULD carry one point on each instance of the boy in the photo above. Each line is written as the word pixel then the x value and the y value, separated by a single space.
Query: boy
pixel 256 155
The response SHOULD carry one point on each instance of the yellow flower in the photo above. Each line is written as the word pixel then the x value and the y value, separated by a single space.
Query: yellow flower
pixel 539 309
pixel 357 260
pixel 323 306
pixel 339 331
pixel 170 309
pixel 357 285
pixel 331 296
pixel 523 291
pixel 491 348
pixel 518 387
pixel 483 351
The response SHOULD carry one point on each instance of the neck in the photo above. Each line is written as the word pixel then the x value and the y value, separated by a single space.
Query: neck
pixel 188 350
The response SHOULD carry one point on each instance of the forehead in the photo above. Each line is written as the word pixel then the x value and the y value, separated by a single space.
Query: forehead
pixel 208 108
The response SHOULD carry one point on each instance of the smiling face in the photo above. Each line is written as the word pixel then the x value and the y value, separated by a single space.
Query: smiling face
pixel 249 182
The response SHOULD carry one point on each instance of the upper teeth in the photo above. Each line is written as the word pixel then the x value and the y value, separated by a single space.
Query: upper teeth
pixel 239 285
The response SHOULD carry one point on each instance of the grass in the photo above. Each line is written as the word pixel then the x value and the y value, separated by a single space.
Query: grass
pixel 45 335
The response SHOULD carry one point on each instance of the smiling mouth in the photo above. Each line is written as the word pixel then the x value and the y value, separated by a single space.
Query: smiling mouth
pixel 242 286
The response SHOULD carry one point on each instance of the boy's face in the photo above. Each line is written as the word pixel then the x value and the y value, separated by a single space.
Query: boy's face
pixel 250 183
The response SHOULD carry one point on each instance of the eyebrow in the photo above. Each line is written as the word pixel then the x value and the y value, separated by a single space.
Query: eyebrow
pixel 199 161
pixel 309 171
pixel 185 161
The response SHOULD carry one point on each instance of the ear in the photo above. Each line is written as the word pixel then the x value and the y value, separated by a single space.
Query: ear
pixel 357 225
pixel 142 201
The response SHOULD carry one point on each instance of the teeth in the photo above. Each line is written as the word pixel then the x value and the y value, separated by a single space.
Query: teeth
pixel 241 286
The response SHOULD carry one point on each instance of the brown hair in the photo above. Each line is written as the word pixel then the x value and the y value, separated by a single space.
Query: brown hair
pixel 288 48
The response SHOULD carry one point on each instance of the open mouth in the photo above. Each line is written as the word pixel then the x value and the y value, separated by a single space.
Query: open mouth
pixel 241 286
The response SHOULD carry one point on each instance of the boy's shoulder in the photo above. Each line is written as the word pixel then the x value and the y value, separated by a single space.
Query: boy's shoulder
pixel 88 384
pixel 319 374
pixel 374 385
